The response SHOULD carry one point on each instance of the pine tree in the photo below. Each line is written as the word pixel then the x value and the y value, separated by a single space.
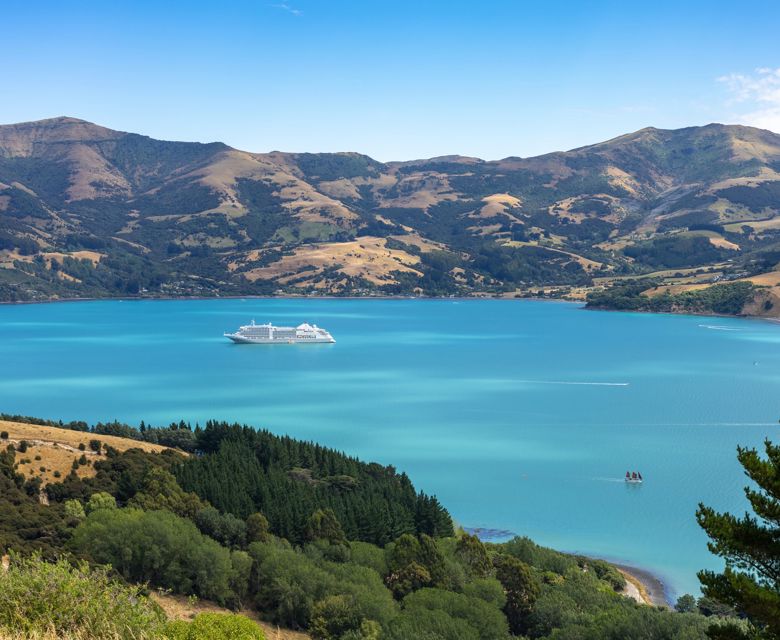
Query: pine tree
pixel 750 545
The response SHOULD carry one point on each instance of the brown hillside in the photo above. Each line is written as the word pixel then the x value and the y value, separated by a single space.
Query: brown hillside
pixel 180 218
pixel 58 448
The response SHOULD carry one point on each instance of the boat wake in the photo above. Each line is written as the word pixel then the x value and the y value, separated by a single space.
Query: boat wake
pixel 717 327
pixel 576 383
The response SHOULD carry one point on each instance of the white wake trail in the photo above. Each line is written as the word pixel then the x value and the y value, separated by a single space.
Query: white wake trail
pixel 717 327
pixel 576 383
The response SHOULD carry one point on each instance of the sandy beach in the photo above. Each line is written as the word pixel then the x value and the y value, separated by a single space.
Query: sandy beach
pixel 644 587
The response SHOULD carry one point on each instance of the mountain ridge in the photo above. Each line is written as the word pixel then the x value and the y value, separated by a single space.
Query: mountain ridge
pixel 89 211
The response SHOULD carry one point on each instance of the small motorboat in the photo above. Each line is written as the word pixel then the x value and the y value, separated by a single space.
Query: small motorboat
pixel 634 477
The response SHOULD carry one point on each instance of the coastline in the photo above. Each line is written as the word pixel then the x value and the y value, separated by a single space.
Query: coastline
pixel 692 314
pixel 642 585
pixel 285 297
pixel 581 303
pixel 648 586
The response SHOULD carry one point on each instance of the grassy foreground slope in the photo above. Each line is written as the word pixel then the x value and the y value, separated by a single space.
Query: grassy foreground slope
pixel 303 536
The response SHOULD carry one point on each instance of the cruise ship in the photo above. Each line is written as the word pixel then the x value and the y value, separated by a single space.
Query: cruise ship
pixel 269 334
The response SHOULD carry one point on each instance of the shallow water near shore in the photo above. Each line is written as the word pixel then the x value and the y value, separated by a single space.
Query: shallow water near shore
pixel 521 416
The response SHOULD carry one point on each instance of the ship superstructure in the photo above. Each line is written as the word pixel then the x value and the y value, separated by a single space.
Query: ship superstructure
pixel 269 334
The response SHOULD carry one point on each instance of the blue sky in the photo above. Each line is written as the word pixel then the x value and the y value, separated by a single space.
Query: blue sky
pixel 396 80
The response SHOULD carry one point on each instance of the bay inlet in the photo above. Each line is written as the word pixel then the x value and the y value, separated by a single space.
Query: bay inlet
pixel 521 416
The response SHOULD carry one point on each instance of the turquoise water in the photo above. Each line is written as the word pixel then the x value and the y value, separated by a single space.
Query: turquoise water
pixel 519 415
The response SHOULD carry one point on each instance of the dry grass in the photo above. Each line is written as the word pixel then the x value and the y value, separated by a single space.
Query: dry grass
pixel 621 179
pixel 299 198
pixel 758 225
pixel 92 176
pixel 499 204
pixel 665 273
pixel 306 204
pixel 93 256
pixel 585 263
pixel 714 237
pixel 421 191
pixel 48 635
pixel 182 608
pixel 769 279
pixel 367 257
pixel 340 189
pixel 722 243
pixel 423 244
pixel 674 289
pixel 59 447
pixel 617 244
pixel 563 209
pixel 765 174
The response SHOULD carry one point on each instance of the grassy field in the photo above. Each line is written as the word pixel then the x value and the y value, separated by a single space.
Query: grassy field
pixel 367 258
pixel 54 450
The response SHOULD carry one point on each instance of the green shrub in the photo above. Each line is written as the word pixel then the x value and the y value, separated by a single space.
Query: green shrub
pixel 541 558
pixel 487 589
pixel 38 596
pixel 158 547
pixel 214 626
pixel 160 490
pixel 257 528
pixel 3 435
pixel 686 603
pixel 288 584
pixel 473 555
pixel 74 509
pixel 429 625
pixel 609 574
pixel 368 555
pixel 101 500
pixel 333 616
pixel 486 620
pixel 225 528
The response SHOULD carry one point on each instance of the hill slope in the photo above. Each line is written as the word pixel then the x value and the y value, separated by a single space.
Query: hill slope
pixel 87 211
pixel 50 452
pixel 160 519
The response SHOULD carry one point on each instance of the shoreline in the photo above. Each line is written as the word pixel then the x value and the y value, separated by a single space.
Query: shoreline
pixel 650 587
pixel 285 297
pixel 692 314
pixel 497 297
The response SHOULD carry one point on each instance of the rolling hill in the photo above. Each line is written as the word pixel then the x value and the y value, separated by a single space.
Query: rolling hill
pixel 86 211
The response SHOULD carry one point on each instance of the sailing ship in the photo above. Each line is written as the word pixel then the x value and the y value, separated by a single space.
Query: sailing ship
pixel 634 477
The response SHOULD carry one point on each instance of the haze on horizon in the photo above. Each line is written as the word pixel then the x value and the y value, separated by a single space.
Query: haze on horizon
pixel 396 81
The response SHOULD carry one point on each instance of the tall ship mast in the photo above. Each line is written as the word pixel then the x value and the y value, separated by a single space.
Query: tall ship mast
pixel 269 334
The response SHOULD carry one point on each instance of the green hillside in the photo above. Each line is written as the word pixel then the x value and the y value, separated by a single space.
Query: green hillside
pixel 303 536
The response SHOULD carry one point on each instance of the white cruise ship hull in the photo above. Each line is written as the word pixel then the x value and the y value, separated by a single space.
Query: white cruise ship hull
pixel 239 339
pixel 269 334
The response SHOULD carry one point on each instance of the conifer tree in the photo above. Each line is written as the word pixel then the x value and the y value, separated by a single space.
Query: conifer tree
pixel 750 545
